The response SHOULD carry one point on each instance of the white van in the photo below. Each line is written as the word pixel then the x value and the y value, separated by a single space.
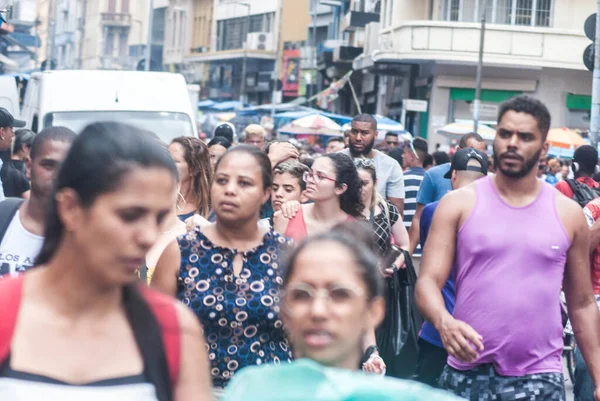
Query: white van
pixel 9 95
pixel 154 101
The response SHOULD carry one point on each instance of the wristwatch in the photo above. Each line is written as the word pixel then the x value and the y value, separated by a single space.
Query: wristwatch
pixel 370 350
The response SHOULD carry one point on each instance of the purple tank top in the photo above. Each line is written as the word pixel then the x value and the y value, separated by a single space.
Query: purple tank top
pixel 509 269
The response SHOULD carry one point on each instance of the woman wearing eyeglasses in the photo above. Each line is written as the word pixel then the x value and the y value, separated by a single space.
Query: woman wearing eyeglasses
pixel 334 187
pixel 332 297
pixel 382 214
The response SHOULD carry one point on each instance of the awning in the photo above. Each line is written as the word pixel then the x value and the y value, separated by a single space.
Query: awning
pixel 8 62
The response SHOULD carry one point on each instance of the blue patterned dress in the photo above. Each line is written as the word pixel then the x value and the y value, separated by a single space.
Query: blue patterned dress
pixel 239 313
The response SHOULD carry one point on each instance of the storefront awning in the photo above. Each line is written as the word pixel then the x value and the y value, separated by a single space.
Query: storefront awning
pixel 8 62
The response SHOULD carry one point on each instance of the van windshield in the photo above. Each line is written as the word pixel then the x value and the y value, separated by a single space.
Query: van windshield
pixel 166 125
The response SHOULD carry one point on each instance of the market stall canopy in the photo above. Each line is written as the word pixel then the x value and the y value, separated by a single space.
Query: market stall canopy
pixel 564 138
pixel 457 130
pixel 563 142
pixel 227 106
pixel 206 104
pixel 315 124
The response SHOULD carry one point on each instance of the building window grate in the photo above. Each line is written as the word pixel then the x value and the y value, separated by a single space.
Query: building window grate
pixel 507 12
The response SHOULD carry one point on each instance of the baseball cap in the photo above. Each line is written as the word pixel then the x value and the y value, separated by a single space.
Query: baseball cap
pixel 460 161
pixel 7 120
pixel 225 130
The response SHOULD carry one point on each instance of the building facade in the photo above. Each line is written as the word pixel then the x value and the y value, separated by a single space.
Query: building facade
pixel 429 51
pixel 94 34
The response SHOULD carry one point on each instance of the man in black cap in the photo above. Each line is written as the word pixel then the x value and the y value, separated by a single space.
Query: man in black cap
pixel 467 166
pixel 7 133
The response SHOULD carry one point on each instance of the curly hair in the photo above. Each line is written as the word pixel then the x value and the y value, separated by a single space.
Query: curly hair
pixel 198 161
pixel 531 106
pixel 346 173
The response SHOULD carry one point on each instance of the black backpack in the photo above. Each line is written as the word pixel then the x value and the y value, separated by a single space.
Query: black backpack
pixel 582 194
pixel 8 209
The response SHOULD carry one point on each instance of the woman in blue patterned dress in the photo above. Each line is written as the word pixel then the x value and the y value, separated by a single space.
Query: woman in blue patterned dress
pixel 230 270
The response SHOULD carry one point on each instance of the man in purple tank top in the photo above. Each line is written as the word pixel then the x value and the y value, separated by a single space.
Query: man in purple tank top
pixel 514 242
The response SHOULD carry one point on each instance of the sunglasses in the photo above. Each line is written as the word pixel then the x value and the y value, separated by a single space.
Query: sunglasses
pixel 412 148
pixel 364 163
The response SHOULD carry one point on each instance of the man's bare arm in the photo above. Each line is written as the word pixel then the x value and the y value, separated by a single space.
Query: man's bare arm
pixel 438 256
pixel 577 286
pixel 415 228
pixel 399 203
pixel 594 236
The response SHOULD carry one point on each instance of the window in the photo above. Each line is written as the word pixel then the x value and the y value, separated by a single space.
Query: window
pixel 509 12
pixel 231 32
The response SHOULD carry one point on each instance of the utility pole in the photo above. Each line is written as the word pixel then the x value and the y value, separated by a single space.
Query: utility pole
pixel 277 56
pixel 150 29
pixel 245 59
pixel 82 32
pixel 477 102
pixel 51 35
pixel 313 54
pixel 595 117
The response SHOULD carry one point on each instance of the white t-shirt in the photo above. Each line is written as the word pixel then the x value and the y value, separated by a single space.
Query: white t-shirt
pixel 19 248
pixel 390 180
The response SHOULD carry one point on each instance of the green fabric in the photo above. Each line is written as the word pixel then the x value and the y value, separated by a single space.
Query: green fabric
pixel 305 380
pixel 579 102
pixel 487 95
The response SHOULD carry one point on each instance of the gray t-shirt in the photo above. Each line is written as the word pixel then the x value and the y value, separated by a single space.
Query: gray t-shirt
pixel 390 182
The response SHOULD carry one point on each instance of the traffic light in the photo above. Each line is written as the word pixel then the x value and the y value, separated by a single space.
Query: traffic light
pixel 589 27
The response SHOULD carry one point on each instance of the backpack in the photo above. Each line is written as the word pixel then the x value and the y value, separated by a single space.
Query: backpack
pixel 582 194
pixel 8 209
pixel 153 318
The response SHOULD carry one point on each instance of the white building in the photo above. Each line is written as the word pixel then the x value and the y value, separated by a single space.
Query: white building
pixel 429 50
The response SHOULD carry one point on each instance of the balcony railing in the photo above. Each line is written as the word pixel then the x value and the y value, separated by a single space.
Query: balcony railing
pixel 116 19
pixel 459 42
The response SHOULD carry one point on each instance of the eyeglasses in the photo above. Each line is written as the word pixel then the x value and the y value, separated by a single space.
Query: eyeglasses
pixel 412 148
pixel 364 163
pixel 316 176
pixel 300 296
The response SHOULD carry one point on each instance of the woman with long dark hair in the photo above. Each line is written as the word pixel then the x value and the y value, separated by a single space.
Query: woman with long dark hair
pixel 78 325
pixel 195 174
pixel 334 187
pixel 229 274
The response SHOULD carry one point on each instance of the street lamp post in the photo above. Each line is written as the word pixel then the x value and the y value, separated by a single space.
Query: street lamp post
pixel 245 59
pixel 277 57
pixel 150 29
pixel 477 102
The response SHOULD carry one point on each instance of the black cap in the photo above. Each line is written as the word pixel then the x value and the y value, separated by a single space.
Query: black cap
pixel 7 120
pixel 225 130
pixel 460 161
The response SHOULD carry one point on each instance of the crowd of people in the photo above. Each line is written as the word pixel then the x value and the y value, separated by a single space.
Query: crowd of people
pixel 257 269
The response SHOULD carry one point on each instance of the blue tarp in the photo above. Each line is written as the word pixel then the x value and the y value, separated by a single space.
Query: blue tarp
pixel 227 106
pixel 284 118
pixel 206 104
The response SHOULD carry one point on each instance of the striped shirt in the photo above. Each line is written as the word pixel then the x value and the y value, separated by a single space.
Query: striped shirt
pixel 412 182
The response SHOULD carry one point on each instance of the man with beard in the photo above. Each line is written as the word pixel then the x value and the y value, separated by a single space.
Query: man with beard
pixel 361 139
pixel 23 223
pixel 514 241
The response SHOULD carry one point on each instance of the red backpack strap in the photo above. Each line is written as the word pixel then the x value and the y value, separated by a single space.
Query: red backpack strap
pixel 10 299
pixel 164 310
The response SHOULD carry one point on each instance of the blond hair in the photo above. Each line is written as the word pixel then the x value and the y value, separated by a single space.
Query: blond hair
pixel 255 130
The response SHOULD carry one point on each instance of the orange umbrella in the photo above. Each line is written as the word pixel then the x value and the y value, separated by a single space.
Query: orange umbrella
pixel 564 138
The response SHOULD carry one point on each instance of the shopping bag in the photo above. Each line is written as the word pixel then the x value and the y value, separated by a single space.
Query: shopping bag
pixel 397 336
